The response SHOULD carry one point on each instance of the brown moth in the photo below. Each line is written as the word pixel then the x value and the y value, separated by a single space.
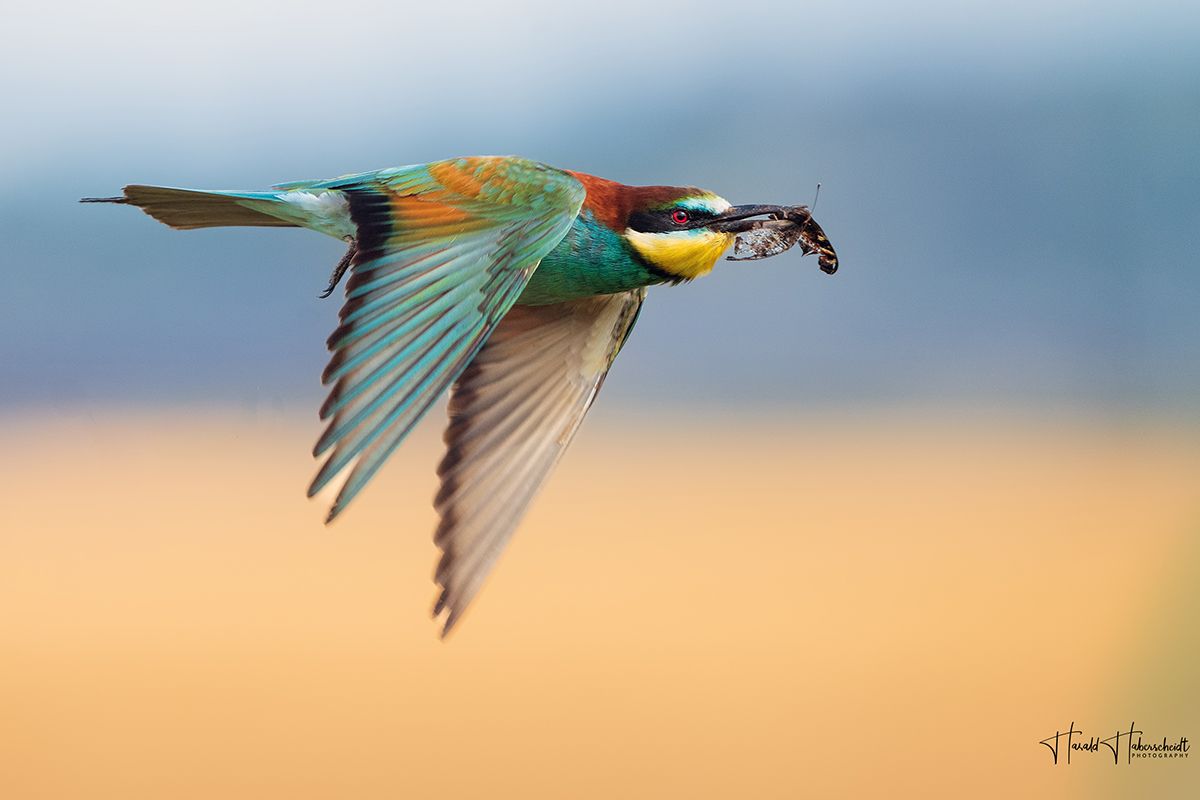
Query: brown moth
pixel 787 227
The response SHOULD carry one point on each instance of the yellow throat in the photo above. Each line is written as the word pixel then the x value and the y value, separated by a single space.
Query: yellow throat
pixel 683 254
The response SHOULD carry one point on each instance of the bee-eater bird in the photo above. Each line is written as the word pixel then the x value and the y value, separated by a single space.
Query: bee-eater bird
pixel 512 281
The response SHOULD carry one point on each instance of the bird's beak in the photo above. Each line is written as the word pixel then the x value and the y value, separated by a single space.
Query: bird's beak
pixel 738 219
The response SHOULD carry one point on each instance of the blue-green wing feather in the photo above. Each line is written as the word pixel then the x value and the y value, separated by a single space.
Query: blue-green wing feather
pixel 444 250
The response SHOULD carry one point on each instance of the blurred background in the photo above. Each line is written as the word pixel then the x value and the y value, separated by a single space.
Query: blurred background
pixel 881 531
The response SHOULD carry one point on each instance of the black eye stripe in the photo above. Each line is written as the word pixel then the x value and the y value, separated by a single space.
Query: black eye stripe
pixel 660 220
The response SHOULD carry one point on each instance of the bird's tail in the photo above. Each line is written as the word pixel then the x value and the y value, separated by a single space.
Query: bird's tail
pixel 186 209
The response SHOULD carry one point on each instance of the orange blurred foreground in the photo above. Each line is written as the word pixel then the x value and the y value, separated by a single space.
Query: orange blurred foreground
pixel 806 606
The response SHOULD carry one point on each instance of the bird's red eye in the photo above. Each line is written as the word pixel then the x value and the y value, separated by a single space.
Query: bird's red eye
pixel 679 216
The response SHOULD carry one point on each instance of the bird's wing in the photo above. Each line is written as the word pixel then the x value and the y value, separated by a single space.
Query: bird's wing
pixel 443 250
pixel 512 414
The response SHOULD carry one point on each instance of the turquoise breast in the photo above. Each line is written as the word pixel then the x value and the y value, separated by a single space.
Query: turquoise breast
pixel 591 259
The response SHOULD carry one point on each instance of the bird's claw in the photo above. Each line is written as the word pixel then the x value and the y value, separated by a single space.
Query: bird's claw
pixel 342 266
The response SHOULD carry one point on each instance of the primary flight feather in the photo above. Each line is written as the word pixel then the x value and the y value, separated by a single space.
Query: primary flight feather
pixel 514 284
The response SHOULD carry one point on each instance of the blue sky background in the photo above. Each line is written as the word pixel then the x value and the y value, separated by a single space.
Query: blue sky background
pixel 1014 191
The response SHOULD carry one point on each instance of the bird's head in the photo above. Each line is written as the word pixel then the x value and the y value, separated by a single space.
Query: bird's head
pixel 679 232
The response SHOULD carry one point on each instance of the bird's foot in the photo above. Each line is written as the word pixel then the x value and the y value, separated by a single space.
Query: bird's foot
pixel 341 267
